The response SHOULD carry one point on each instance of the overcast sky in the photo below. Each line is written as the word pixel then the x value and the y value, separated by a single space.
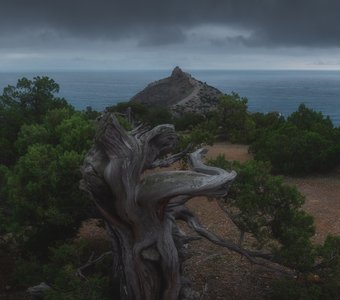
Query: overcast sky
pixel 156 34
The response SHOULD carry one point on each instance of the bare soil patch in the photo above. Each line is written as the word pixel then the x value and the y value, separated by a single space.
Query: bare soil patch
pixel 322 202
pixel 221 273
pixel 230 151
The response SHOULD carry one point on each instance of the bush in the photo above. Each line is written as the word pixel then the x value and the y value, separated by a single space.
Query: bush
pixel 40 192
pixel 233 120
pixel 43 143
pixel 305 287
pixel 188 121
pixel 76 133
pixel 271 120
pixel 295 151
pixel 307 119
pixel 60 272
pixel 196 138
pixel 25 103
pixel 306 143
pixel 261 204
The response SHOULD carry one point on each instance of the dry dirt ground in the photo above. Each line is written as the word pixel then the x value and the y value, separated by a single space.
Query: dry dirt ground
pixel 226 275
pixel 322 201
pixel 217 272
pixel 322 192
pixel 220 274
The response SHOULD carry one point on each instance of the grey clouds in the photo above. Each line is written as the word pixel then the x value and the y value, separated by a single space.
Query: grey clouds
pixel 132 28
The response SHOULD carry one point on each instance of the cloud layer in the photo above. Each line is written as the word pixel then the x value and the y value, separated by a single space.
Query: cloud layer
pixel 191 26
pixel 271 22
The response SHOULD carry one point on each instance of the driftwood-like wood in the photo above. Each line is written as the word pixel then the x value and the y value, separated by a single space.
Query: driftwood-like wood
pixel 141 208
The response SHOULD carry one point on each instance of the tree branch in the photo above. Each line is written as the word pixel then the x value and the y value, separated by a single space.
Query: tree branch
pixel 161 163
pixel 184 214
pixel 195 160
pixel 91 261
pixel 203 180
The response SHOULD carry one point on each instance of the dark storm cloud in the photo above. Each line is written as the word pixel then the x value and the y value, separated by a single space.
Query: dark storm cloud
pixel 162 37
pixel 312 23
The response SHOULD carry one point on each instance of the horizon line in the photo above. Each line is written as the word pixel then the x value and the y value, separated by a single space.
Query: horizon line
pixel 161 69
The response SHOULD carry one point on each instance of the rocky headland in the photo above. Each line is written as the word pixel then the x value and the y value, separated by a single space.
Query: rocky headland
pixel 181 93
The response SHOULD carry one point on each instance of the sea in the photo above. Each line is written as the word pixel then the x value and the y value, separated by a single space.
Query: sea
pixel 267 90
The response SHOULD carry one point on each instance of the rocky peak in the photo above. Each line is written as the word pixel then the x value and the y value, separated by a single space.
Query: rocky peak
pixel 178 73
pixel 181 93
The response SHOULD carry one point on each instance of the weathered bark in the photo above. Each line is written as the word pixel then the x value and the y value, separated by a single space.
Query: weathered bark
pixel 140 208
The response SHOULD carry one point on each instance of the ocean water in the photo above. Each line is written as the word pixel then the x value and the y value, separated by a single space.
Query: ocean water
pixel 280 91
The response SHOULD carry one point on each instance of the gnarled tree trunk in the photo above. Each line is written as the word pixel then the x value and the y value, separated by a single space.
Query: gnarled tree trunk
pixel 140 208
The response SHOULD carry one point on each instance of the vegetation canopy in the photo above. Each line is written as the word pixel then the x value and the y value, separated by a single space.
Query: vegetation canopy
pixel 44 141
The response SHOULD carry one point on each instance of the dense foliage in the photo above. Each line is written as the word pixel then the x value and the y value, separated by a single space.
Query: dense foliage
pixel 46 145
pixel 43 141
pixel 307 142
pixel 26 103
pixel 233 120
pixel 60 271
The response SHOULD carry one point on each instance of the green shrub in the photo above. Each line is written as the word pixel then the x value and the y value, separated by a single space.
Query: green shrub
pixel 41 193
pixel 308 119
pixel 270 210
pixel 41 190
pixel 197 137
pixel 305 287
pixel 233 120
pixel 188 121
pixel 95 288
pixel 294 151
pixel 60 272
pixel 271 120
pixel 306 143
